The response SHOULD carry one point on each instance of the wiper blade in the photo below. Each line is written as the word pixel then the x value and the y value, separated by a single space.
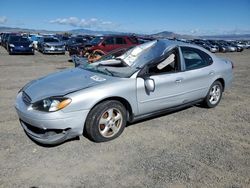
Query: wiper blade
pixel 122 61
pixel 109 71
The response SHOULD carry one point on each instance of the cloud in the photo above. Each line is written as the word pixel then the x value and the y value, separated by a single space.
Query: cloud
pixel 3 19
pixel 84 23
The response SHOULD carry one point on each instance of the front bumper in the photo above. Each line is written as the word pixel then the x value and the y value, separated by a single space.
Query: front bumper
pixel 22 50
pixel 54 50
pixel 50 127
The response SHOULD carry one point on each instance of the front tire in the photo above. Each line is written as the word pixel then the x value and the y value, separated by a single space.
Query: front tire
pixel 106 121
pixel 214 95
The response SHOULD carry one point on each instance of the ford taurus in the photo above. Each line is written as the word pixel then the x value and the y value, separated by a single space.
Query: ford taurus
pixel 102 97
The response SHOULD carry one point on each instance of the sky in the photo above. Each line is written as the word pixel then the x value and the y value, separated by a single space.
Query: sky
pixel 191 17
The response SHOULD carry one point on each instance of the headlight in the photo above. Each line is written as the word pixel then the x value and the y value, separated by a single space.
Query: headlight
pixel 12 45
pixel 46 45
pixel 52 104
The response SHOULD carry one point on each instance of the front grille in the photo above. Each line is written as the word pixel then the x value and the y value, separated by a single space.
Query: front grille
pixel 26 98
pixel 34 129
pixel 46 132
pixel 61 46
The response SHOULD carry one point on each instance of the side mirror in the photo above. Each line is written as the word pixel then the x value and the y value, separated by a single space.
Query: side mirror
pixel 149 84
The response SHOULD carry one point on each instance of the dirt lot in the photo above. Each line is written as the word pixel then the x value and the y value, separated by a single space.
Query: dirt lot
pixel 195 147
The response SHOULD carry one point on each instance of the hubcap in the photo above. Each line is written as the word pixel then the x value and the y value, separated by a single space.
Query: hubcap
pixel 215 94
pixel 110 122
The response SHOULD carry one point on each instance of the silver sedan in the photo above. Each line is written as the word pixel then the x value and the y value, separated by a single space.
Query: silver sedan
pixel 102 97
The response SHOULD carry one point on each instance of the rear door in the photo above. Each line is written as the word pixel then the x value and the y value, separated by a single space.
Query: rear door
pixel 197 74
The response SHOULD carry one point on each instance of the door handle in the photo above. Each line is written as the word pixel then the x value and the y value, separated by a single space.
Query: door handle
pixel 178 80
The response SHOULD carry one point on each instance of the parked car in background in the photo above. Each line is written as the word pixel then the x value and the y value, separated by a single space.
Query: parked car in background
pixel 101 45
pixel 205 44
pixel 75 41
pixel 101 98
pixel 63 38
pixel 35 39
pixel 231 48
pixel 5 37
pixel 17 44
pixel 76 45
pixel 244 44
pixel 50 45
pixel 1 34
pixel 222 47
pixel 234 44
pixel 111 55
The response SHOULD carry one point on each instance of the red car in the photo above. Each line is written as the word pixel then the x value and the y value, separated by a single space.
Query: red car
pixel 103 44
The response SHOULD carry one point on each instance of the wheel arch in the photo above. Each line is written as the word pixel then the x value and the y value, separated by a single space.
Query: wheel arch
pixel 125 103
pixel 222 81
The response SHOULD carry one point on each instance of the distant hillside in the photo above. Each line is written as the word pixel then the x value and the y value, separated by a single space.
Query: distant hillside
pixel 168 34
pixel 17 30
pixel 164 34
pixel 91 32
pixel 74 32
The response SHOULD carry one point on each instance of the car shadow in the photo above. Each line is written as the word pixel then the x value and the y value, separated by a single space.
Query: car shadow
pixel 20 54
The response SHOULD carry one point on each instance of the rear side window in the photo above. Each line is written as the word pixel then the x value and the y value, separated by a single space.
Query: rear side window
pixel 195 58
pixel 109 41
pixel 120 40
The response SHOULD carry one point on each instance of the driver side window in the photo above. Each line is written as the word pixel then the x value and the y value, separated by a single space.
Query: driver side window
pixel 168 64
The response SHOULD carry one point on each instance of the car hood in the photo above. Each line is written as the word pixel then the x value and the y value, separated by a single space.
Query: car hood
pixel 75 45
pixel 54 43
pixel 62 83
pixel 21 43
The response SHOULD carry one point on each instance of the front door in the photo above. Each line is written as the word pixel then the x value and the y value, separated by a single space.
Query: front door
pixel 169 89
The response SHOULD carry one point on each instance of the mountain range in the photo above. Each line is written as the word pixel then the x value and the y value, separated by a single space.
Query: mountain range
pixel 164 34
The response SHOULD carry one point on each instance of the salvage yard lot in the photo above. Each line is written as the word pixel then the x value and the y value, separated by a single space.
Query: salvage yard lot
pixel 194 147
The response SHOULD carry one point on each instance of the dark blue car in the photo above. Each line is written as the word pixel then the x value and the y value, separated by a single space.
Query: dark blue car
pixel 19 45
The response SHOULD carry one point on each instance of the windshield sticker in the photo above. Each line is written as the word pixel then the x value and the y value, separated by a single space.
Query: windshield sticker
pixel 97 78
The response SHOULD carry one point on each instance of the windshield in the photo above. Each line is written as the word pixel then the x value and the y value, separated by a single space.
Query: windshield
pixel 144 53
pixel 129 62
pixel 51 40
pixel 18 39
pixel 96 40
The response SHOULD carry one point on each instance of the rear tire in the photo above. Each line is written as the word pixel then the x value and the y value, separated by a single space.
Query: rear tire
pixel 106 121
pixel 214 95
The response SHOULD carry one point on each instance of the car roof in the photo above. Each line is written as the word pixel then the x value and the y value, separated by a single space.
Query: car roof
pixel 179 43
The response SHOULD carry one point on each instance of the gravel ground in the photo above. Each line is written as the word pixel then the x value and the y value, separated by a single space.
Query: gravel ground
pixel 194 147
